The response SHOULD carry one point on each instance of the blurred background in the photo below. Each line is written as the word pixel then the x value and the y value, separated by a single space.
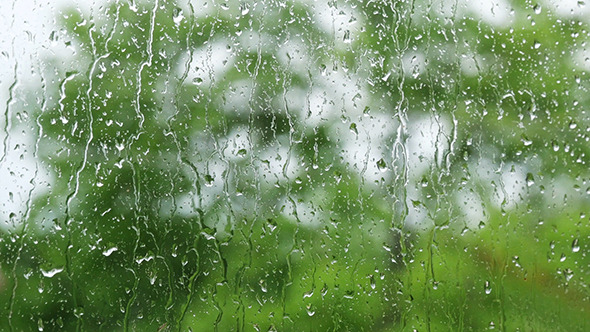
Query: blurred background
pixel 345 165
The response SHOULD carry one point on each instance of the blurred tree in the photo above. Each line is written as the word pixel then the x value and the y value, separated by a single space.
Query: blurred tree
pixel 306 166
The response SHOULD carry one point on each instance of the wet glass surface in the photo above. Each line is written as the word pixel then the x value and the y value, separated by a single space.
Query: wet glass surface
pixel 294 165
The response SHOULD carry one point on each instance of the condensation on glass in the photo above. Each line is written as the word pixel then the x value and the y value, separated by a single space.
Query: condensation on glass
pixel 294 165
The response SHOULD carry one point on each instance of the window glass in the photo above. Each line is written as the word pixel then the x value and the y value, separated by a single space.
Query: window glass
pixel 289 165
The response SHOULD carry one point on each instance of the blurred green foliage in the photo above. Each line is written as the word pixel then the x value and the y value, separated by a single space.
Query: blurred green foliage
pixel 189 197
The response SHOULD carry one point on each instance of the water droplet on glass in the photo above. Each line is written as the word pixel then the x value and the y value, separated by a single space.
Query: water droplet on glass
pixel 323 70
pixel 381 165
pixel 263 287
pixel 52 272
pixel 424 182
pixel 575 246
pixel 109 251
pixel 573 125
pixel 346 37
pixel 526 141
pixel 530 180
pixel 209 180
pixel 177 15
